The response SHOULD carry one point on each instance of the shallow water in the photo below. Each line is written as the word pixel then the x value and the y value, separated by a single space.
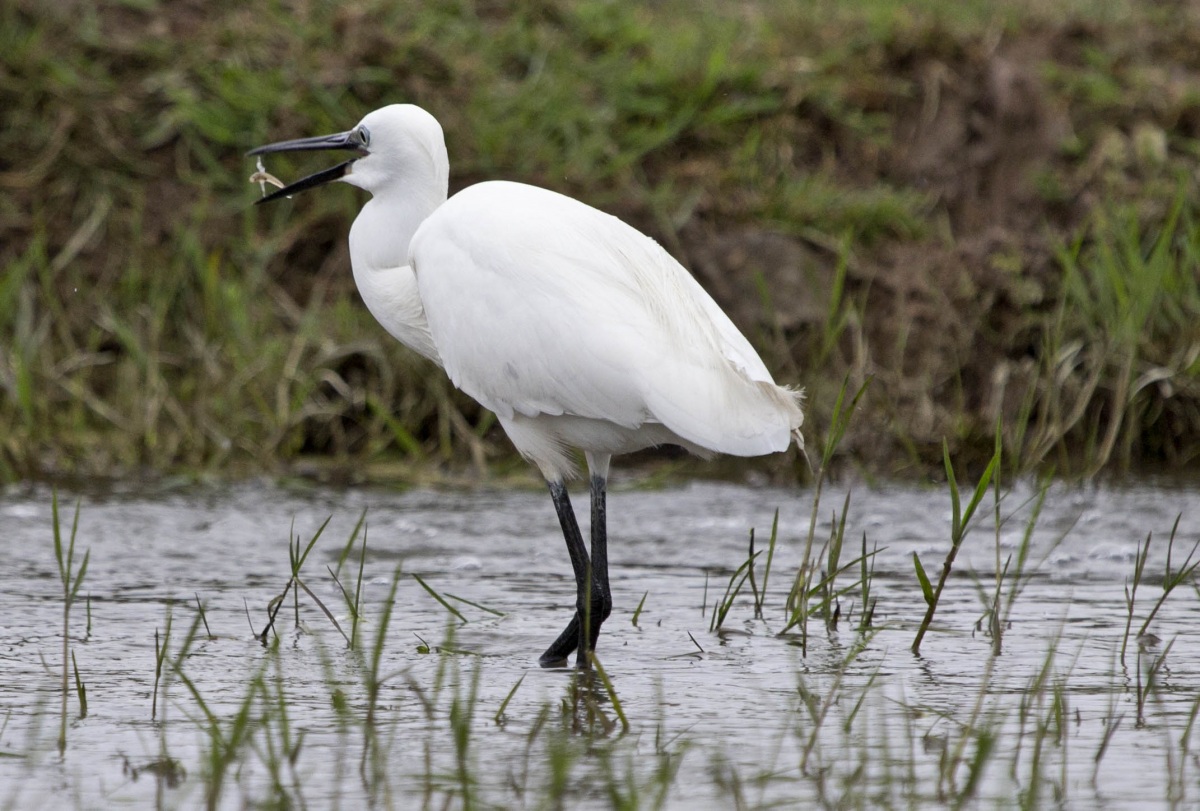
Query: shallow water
pixel 722 715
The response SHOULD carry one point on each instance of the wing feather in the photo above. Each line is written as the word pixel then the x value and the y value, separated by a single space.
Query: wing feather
pixel 540 304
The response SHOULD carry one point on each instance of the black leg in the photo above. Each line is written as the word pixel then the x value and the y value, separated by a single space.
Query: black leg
pixel 569 640
pixel 601 595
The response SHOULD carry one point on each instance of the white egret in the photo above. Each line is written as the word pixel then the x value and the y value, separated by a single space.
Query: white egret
pixel 576 329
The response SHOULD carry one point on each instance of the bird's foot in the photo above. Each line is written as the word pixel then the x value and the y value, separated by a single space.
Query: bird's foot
pixel 566 644
pixel 551 661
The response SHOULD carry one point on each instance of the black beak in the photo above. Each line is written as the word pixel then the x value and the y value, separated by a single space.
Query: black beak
pixel 342 140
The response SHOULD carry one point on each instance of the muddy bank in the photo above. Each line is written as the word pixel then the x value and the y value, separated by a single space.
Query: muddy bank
pixel 964 324
pixel 989 216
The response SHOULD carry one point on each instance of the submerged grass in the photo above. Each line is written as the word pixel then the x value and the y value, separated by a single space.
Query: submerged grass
pixel 437 729
pixel 1171 581
pixel 71 579
pixel 960 521
pixel 803 583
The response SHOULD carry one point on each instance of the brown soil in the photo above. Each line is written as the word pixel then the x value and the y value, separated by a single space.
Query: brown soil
pixel 947 326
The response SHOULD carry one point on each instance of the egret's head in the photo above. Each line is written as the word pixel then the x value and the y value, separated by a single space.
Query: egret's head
pixel 398 145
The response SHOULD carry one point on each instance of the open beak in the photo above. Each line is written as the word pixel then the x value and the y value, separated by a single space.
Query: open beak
pixel 341 140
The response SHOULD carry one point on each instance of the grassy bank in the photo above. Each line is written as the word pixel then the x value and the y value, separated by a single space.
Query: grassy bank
pixel 986 210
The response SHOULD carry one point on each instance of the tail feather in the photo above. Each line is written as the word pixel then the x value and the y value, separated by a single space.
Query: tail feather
pixel 728 412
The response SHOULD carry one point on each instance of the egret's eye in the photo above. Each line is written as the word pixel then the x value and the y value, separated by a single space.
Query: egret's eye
pixel 363 136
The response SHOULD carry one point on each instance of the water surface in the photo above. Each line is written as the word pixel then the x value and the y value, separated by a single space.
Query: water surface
pixel 725 716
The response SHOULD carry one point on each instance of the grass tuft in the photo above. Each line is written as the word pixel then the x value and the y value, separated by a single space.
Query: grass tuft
pixel 1171 581
pixel 959 524
pixel 71 579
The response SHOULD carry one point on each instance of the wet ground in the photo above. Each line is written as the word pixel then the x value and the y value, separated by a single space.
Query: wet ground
pixel 722 717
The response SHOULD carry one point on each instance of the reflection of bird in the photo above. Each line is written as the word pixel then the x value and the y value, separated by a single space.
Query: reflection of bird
pixel 577 330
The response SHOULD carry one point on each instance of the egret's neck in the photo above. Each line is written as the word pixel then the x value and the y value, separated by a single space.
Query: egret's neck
pixel 384 228
pixel 379 241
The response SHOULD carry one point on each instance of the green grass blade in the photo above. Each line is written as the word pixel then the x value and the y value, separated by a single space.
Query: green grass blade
pixel 981 489
pixel 349 547
pixel 324 609
pixel 401 435
pixel 80 688
pixel 298 562
pixel 499 717
pixel 731 593
pixel 476 605
pixel 610 689
pixel 926 586
pixel 770 553
pixel 439 598
pixel 58 545
pixel 77 581
pixel 952 482
pixel 637 612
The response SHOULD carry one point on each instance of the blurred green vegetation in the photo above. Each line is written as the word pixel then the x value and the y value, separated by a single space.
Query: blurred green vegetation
pixel 987 208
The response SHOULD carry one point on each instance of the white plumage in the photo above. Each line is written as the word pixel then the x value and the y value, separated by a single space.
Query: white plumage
pixel 576 329
pixel 543 307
